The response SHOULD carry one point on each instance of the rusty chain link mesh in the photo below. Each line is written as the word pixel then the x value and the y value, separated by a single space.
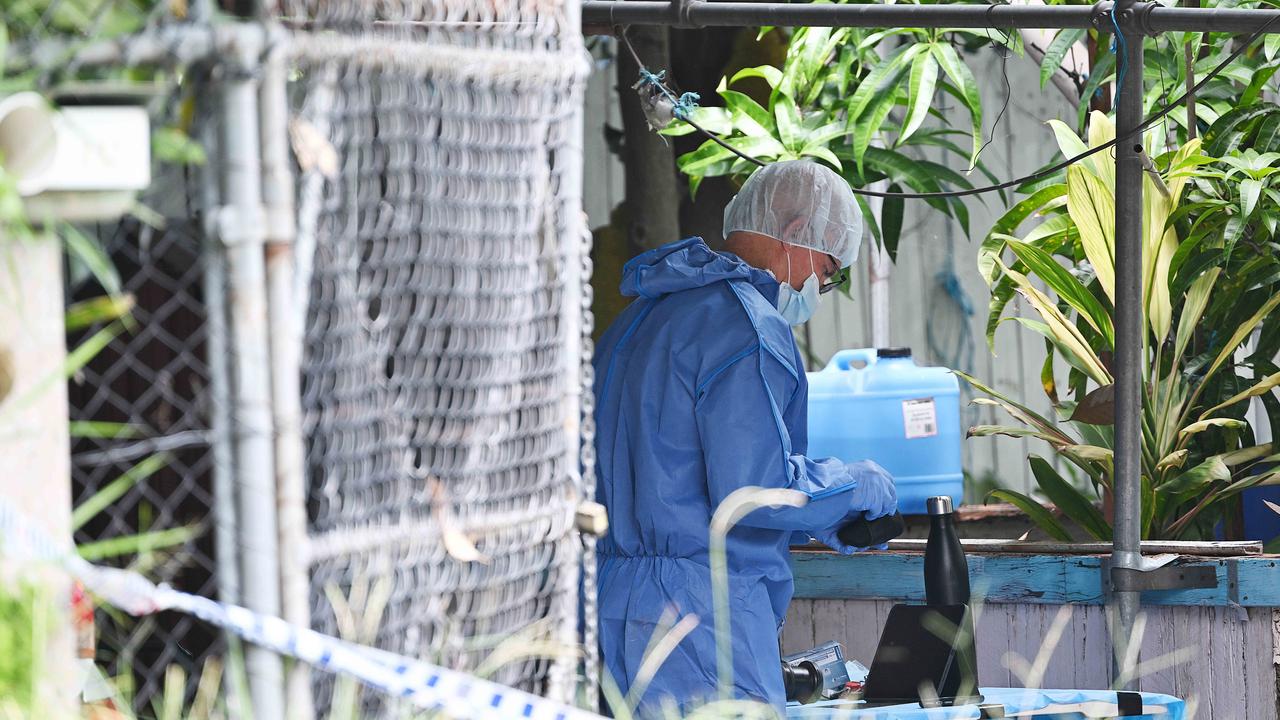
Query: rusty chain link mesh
pixel 441 452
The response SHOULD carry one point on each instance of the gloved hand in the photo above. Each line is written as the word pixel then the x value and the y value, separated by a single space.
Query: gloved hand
pixel 875 496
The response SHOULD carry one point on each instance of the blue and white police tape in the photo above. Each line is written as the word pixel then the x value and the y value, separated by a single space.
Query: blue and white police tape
pixel 456 694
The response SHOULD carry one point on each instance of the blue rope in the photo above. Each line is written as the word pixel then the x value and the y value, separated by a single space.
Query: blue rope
pixel 681 107
pixel 1122 57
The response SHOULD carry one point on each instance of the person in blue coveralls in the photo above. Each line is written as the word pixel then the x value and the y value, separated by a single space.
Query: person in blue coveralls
pixel 701 391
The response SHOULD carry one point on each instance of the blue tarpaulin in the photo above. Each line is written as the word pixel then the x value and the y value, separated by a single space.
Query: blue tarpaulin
pixel 1060 704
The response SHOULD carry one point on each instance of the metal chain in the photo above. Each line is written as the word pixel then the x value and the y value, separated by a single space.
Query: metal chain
pixel 590 615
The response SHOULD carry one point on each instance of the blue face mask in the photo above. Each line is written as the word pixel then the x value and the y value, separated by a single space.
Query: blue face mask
pixel 797 306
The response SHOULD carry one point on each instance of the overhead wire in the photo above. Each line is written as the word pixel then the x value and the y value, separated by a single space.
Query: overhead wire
pixel 1044 172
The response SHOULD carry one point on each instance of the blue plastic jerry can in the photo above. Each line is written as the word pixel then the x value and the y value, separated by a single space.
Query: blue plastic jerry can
pixel 879 405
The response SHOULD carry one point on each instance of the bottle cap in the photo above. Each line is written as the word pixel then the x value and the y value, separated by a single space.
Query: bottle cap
pixel 939 505
pixel 896 352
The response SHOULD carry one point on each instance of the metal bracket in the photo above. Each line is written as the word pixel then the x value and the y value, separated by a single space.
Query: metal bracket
pixel 1158 574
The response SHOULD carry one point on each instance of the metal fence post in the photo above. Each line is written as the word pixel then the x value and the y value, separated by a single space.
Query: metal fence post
pixel 1126 552
pixel 286 361
pixel 241 229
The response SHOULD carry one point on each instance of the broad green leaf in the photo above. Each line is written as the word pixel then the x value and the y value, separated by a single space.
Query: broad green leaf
pixel 748 117
pixel 1202 425
pixel 1058 49
pixel 891 214
pixel 1240 334
pixel 1250 190
pixel 172 145
pixel 1102 131
pixel 823 135
pixel 1037 512
pixel 716 120
pixel 1102 72
pixel 1225 135
pixel 822 153
pixel 788 120
pixel 1173 460
pixel 920 89
pixel 1009 431
pixel 1092 208
pixel 1069 500
pixel 1197 299
pixel 959 73
pixel 1263 386
pixel 1270 45
pixel 1061 330
pixel 886 73
pixel 1017 410
pixel 706 155
pixel 1088 453
pixel 1248 455
pixel 1191 482
pixel 868 126
pixel 768 73
pixel 1069 352
pixel 1257 84
pixel 1067 287
pixel 1069 144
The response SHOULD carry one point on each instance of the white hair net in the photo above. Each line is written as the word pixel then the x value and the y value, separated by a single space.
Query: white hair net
pixel 799 202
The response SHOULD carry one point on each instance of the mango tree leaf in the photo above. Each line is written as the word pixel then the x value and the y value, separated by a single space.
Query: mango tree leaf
pixel 868 126
pixel 1037 512
pixel 960 74
pixel 1069 500
pixel 920 89
pixel 822 153
pixel 1058 49
pixel 1225 134
pixel 788 120
pixel 1250 190
pixel 768 73
pixel 886 73
pixel 707 154
pixel 748 117
pixel 892 211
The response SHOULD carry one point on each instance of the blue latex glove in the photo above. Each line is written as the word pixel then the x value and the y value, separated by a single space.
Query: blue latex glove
pixel 875 496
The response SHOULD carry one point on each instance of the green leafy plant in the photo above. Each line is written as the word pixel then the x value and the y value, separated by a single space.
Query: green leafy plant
pixel 1197 451
pixel 832 101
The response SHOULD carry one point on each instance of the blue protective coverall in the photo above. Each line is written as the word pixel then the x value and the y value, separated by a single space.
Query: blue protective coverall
pixel 700 391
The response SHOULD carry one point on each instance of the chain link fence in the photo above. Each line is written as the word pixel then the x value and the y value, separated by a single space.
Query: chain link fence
pixel 440 259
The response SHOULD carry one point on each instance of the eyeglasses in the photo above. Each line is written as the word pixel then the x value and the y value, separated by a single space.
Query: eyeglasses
pixel 838 279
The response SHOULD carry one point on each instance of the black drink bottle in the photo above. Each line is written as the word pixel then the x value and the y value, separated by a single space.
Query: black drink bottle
pixel 946 572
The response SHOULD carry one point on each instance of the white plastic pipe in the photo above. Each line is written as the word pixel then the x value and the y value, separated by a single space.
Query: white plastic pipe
pixel 286 366
pixel 241 229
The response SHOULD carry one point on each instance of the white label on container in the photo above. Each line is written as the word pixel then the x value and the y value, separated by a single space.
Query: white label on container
pixel 920 417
